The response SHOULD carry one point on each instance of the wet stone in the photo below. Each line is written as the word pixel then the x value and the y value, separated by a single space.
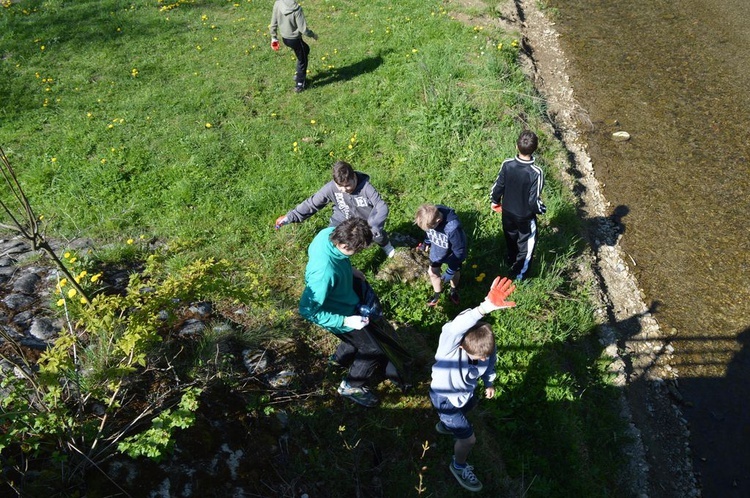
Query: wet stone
pixel 202 309
pixel 26 284
pixel 14 246
pixel 18 301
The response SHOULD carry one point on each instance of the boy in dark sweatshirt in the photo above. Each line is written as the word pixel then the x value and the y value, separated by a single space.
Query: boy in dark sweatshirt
pixel 516 194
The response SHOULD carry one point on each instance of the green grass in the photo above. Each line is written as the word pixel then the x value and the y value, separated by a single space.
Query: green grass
pixel 108 129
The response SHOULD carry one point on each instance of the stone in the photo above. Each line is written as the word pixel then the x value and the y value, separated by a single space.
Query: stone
pixel 26 284
pixel 282 379
pixel 192 327
pixel 256 361
pixel 18 301
pixel 202 309
pixel 23 319
pixel 43 329
pixel 621 136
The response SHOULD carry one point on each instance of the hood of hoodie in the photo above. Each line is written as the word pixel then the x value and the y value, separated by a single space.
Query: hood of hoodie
pixel 288 6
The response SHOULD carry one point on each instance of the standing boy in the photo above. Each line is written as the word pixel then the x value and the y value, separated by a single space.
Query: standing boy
pixel 330 301
pixel 352 196
pixel 466 353
pixel 517 195
pixel 446 242
pixel 288 18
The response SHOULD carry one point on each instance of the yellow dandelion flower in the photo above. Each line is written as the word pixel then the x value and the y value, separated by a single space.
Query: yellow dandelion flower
pixel 88 115
pixel 95 278
pixel 60 302
pixel 110 126
pixel 66 256
pixel 294 144
pixel 83 274
pixel 103 161
pixel 72 292
pixel 473 266
pixel 312 121
pixel 73 260
pixel 42 47
pixel 208 125
pixel 480 277
pixel 63 282
pixel 130 241
pixel 84 300
pixel 414 51
pixel 499 46
pixel 350 146
pixel 54 159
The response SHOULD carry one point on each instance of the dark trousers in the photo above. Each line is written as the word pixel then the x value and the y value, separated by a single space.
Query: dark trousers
pixel 362 354
pixel 301 51
pixel 520 239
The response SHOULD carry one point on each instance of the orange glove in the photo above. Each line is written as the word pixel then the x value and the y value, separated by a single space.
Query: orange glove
pixel 497 208
pixel 275 45
pixel 281 221
pixel 501 288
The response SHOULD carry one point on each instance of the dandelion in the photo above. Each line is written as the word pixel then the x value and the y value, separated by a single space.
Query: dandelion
pixel 42 47
pixel 82 274
pixel 294 144
pixel 499 46
pixel 60 302
pixel 208 125
pixel 312 121
pixel 473 266
pixel 134 73
pixel 84 300
pixel 95 278
pixel 66 256
pixel 130 241
pixel 73 260
pixel 414 51
pixel 273 114
pixel 480 277
pixel 72 292
pixel 89 115
pixel 110 126
pixel 103 161
pixel 54 159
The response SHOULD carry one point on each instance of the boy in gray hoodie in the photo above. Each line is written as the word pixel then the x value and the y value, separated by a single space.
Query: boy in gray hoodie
pixel 288 18
pixel 352 196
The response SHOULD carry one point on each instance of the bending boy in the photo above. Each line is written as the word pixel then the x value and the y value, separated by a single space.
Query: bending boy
pixel 330 301
pixel 352 196
pixel 446 242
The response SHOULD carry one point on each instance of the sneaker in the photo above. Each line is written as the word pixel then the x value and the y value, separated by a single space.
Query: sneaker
pixel 442 429
pixel 434 299
pixel 389 250
pixel 334 362
pixel 454 296
pixel 359 395
pixel 300 87
pixel 466 477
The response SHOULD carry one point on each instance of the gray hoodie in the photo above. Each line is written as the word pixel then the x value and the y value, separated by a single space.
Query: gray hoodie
pixel 364 202
pixel 289 20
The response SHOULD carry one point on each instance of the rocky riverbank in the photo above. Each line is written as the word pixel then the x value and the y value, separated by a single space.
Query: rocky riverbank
pixel 660 455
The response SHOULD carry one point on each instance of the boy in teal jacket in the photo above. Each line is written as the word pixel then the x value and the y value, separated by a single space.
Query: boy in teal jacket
pixel 329 300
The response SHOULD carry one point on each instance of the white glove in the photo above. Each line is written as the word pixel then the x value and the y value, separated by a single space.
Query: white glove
pixel 356 322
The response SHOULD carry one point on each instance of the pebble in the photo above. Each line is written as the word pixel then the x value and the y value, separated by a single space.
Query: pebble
pixel 621 136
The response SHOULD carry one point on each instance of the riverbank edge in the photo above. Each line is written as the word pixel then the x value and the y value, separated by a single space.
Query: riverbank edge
pixel 659 454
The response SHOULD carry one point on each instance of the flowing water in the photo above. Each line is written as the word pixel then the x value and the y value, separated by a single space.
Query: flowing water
pixel 675 74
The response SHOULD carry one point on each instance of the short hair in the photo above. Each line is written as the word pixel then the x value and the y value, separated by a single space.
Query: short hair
pixel 343 173
pixel 479 340
pixel 527 142
pixel 354 233
pixel 428 216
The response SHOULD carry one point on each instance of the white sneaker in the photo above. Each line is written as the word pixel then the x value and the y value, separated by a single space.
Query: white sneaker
pixel 389 250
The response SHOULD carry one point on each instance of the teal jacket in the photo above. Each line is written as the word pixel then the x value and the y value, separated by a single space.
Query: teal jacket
pixel 329 295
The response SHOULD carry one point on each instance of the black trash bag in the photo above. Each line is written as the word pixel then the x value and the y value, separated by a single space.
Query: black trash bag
pixel 398 367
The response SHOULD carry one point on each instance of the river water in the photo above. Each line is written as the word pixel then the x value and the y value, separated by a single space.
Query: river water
pixel 675 74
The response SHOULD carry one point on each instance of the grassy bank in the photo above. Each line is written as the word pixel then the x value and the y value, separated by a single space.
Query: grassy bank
pixel 177 122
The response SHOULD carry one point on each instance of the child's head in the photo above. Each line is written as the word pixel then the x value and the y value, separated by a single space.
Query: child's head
pixel 479 341
pixel 344 176
pixel 353 235
pixel 527 142
pixel 427 217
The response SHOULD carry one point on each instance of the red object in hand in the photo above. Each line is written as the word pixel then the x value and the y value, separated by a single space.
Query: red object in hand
pixel 497 208
pixel 275 45
pixel 501 288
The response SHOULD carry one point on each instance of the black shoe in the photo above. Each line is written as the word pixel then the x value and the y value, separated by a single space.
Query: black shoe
pixel 454 296
pixel 434 300
pixel 299 88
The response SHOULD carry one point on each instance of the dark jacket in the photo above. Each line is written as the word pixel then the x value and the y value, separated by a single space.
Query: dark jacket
pixel 518 189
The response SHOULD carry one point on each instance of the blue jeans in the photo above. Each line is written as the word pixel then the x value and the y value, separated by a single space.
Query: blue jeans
pixel 453 418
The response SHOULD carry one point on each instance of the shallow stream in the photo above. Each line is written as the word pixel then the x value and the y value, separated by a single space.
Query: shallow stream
pixel 675 74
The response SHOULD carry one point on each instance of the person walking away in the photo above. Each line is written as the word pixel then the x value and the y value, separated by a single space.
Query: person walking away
pixel 352 196
pixel 289 19
pixel 517 195
pixel 466 353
